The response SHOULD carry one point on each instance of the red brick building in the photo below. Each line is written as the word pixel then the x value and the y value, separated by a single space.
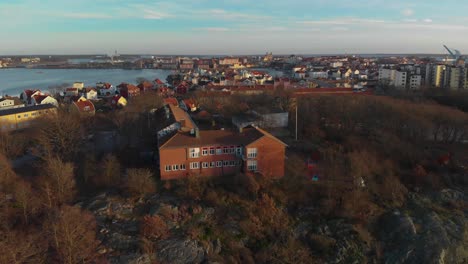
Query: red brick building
pixel 190 152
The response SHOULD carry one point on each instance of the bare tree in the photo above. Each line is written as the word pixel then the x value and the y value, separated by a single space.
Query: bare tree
pixel 58 185
pixel 22 247
pixel 140 182
pixel 72 233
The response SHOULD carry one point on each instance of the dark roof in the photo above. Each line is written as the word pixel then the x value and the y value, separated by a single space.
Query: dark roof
pixel 25 109
pixel 214 138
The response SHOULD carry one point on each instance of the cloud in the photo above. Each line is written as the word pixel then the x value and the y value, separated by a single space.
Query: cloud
pixel 87 15
pixel 341 21
pixel 213 29
pixel 407 12
pixel 151 14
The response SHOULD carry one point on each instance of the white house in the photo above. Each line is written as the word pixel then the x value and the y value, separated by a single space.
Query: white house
pixel 44 99
pixel 90 94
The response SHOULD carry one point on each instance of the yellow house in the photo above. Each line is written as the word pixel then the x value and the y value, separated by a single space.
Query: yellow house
pixel 23 117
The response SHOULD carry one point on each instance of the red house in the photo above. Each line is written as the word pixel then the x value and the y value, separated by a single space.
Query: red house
pixel 128 90
pixel 145 86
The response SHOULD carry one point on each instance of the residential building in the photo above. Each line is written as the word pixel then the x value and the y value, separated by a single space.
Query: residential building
pixel 228 61
pixel 83 107
pixel 455 77
pixel 118 101
pixel 105 89
pixel 90 93
pixel 185 151
pixel 78 85
pixel 10 102
pixel 23 117
pixel 69 92
pixel 40 99
pixel 415 82
pixel 26 95
pixel 145 86
pixel 128 90
pixel 437 75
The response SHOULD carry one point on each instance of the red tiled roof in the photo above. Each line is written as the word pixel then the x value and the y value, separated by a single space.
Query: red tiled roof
pixel 85 106
pixel 39 98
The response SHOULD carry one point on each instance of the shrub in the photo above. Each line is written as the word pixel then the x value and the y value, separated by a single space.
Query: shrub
pixel 140 182
pixel 153 227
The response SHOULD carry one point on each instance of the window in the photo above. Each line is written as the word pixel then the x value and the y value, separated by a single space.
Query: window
pixel 168 167
pixel 226 150
pixel 194 165
pixel 182 166
pixel 239 151
pixel 205 165
pixel 251 153
pixel 219 151
pixel 204 151
pixel 26 115
pixel 238 163
pixel 252 165
pixel 219 164
pixel 194 152
pixel 232 150
pixel 212 151
pixel 19 116
pixel 232 163
pixel 175 167
pixel 225 163
pixel 212 164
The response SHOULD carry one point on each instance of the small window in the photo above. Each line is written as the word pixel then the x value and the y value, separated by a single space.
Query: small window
pixel 205 165
pixel 219 164
pixel 194 165
pixel 212 164
pixel 182 166
pixel 212 151
pixel 232 163
pixel 19 116
pixel 168 167
pixel 251 153
pixel 239 151
pixel 194 152
pixel 204 151
pixel 226 150
pixel 225 163
pixel 26 115
pixel 232 150
pixel 252 165
pixel 219 151
pixel 175 167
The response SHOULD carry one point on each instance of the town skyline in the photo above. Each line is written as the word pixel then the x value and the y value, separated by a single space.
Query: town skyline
pixel 231 27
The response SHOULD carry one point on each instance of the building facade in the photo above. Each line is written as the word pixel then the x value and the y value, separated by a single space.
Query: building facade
pixel 185 151
pixel 23 117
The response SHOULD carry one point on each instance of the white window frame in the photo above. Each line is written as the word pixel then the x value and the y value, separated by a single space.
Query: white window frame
pixel 194 165
pixel 205 151
pixel 252 165
pixel 226 150
pixel 252 153
pixel 239 151
pixel 219 151
pixel 175 167
pixel 212 164
pixel 194 153
pixel 205 165
pixel 219 164
pixel 168 168
pixel 182 166
pixel 212 151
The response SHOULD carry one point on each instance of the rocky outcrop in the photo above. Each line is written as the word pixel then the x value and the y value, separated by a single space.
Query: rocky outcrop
pixel 180 251
pixel 425 232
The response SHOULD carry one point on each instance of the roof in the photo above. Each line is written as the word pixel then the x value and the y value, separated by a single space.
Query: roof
pixel 83 104
pixel 30 92
pixel 213 138
pixel 180 115
pixel 40 98
pixel 25 109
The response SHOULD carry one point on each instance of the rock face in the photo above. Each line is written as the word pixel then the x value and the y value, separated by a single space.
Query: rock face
pixel 423 235
pixel 180 251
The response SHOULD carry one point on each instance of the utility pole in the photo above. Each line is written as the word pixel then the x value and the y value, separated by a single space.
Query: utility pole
pixel 297 101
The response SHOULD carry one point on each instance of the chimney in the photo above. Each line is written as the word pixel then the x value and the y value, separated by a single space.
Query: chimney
pixel 197 133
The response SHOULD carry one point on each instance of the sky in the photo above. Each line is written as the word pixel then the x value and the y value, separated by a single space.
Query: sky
pixel 232 27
